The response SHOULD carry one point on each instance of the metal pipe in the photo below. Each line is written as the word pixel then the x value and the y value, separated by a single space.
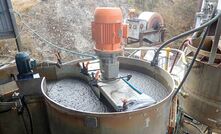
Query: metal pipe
pixel 193 61
pixel 154 61
pixel 200 2
pixel 216 42
pixel 133 53
pixel 168 50
pixel 176 56
pixel 164 49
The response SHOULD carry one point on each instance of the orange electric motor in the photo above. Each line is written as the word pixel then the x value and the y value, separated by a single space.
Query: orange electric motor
pixel 108 30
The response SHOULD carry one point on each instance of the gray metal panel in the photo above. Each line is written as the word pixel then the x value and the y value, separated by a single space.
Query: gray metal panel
pixel 6 26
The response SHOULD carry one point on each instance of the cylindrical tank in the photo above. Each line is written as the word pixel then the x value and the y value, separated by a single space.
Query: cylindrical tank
pixel 202 89
pixel 107 29
pixel 148 120
pixel 203 100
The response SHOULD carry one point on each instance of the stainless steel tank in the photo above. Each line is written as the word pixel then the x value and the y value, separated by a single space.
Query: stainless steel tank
pixel 153 119
pixel 203 100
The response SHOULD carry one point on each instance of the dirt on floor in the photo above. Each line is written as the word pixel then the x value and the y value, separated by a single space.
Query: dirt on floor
pixel 66 23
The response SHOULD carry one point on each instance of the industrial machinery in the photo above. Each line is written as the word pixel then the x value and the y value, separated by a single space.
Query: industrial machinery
pixel 65 119
pixel 113 94
pixel 148 27
pixel 107 33
pixel 130 97
pixel 205 11
pixel 25 66
pixel 202 100
pixel 199 99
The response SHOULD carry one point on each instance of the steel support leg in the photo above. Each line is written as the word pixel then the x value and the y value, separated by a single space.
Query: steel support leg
pixel 212 56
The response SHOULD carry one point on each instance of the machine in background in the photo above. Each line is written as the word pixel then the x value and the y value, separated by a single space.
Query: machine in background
pixel 148 27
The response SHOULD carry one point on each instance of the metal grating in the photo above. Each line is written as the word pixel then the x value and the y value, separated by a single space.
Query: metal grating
pixel 6 25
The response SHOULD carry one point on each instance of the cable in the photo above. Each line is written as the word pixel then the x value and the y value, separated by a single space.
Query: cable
pixel 25 125
pixel 53 45
pixel 196 53
pixel 28 112
pixel 154 61
pixel 50 43
pixel 30 118
pixel 19 34
pixel 192 62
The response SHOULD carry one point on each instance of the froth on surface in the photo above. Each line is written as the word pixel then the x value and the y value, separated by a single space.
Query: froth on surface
pixel 78 95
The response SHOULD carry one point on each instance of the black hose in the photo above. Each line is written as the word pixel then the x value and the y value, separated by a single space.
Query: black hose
pixel 29 114
pixel 193 60
pixel 30 119
pixel 155 58
pixel 21 113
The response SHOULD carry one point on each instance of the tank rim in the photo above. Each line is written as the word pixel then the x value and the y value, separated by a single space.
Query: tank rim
pixel 69 110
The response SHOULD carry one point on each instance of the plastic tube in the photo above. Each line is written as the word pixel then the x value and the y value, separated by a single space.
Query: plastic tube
pixel 134 88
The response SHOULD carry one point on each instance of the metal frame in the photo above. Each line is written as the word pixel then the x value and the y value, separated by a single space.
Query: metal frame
pixel 148 32
pixel 9 20
pixel 75 121
pixel 213 52
pixel 142 34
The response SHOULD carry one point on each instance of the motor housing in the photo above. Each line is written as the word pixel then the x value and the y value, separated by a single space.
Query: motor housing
pixel 24 66
pixel 108 31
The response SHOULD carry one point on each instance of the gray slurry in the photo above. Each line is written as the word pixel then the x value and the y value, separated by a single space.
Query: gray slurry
pixel 76 94
pixel 146 84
